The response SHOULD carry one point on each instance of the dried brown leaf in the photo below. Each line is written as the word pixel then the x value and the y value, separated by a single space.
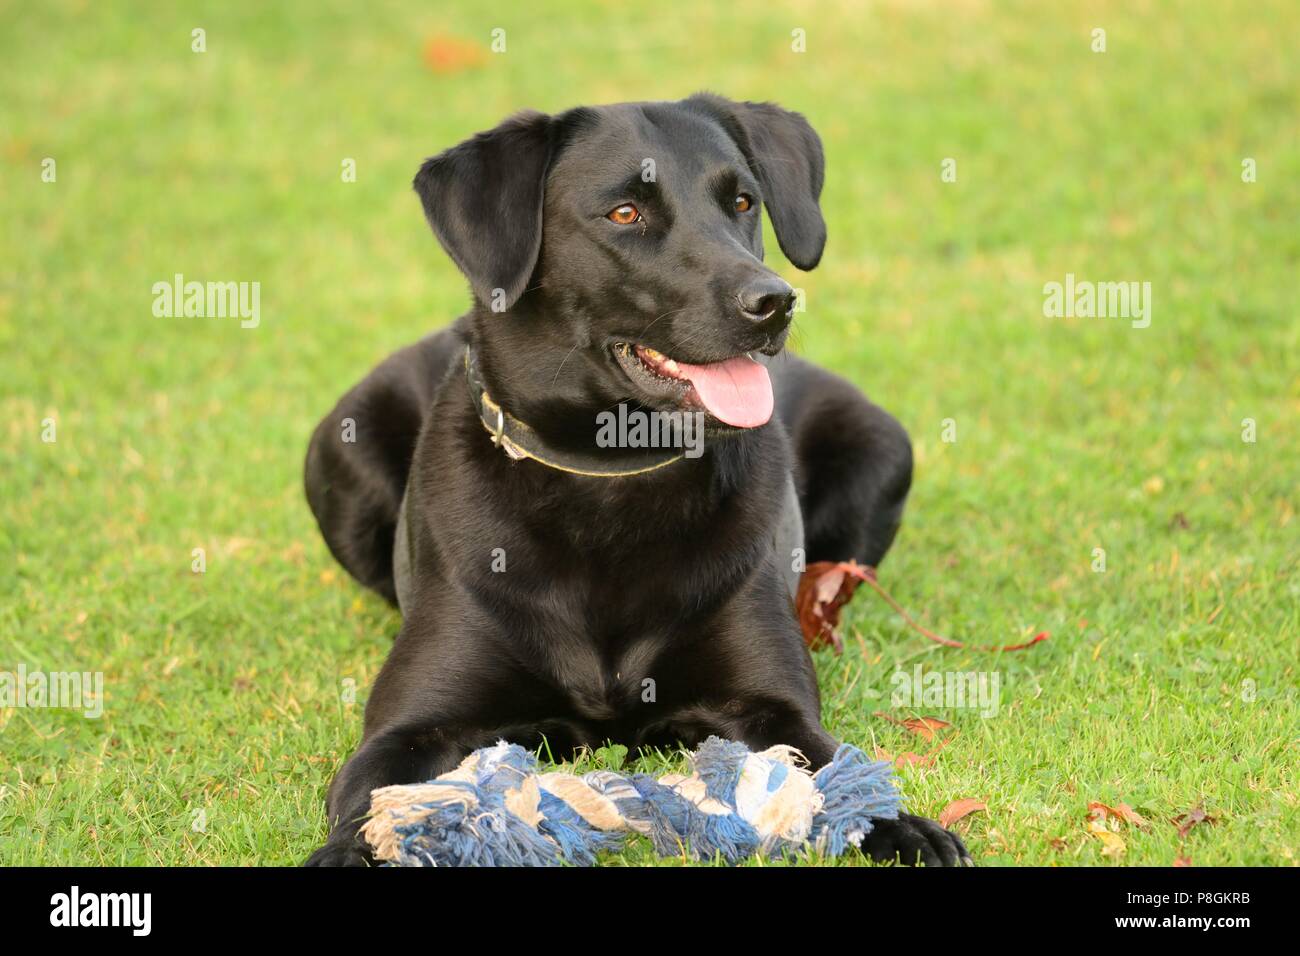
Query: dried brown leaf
pixel 823 590
pixel 958 809
pixel 1121 811
pixel 1191 818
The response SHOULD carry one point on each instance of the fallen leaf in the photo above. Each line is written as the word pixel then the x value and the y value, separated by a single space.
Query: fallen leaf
pixel 923 727
pixel 1112 843
pixel 1183 861
pixel 1191 818
pixel 911 759
pixel 826 586
pixel 1131 815
pixel 1121 811
pixel 958 809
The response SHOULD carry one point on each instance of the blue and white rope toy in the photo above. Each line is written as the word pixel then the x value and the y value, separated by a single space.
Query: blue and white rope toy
pixel 496 809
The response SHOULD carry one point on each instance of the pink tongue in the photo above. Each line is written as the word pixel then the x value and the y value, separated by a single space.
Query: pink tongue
pixel 736 391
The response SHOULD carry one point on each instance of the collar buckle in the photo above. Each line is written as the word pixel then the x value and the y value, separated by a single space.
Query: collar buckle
pixel 501 427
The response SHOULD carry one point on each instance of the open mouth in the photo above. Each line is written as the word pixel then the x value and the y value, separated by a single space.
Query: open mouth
pixel 736 391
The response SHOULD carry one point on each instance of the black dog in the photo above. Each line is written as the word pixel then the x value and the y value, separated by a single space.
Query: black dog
pixel 552 587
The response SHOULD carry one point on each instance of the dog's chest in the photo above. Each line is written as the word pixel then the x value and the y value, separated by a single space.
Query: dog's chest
pixel 609 673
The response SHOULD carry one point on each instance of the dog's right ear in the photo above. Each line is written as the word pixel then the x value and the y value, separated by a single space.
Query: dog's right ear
pixel 483 199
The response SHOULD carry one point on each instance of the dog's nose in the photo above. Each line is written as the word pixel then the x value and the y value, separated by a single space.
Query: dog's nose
pixel 767 297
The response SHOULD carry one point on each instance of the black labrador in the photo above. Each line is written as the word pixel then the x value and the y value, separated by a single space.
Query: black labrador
pixel 556 586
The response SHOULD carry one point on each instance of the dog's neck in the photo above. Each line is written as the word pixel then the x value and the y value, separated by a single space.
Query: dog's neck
pixel 530 365
pixel 517 439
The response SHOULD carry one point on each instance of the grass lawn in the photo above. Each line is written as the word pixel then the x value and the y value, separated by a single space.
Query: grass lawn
pixel 1170 679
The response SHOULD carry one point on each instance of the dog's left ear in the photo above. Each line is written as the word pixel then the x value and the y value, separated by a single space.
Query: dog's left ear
pixel 483 199
pixel 785 153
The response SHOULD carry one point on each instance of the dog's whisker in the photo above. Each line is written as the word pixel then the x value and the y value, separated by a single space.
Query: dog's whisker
pixel 657 318
pixel 562 361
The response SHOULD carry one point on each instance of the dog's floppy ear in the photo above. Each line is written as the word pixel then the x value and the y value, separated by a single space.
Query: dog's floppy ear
pixel 785 153
pixel 483 199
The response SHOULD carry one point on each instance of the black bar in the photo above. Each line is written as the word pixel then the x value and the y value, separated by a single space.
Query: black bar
pixel 594 905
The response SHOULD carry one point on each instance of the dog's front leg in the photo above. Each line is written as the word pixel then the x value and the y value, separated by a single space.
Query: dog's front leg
pixel 386 758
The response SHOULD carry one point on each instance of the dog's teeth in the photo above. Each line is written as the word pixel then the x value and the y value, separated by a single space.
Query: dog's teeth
pixel 652 354
pixel 671 367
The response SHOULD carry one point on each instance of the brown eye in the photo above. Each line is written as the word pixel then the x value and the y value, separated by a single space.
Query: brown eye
pixel 744 203
pixel 624 215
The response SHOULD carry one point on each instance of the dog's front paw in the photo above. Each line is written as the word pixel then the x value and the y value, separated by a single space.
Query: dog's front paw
pixel 911 840
pixel 340 853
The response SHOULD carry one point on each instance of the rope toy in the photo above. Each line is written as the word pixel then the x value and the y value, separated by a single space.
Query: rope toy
pixel 496 809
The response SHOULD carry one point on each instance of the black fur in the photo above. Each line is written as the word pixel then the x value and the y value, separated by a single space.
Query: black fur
pixel 667 576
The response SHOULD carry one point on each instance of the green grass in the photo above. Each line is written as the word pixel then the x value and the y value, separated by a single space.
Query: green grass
pixel 224 688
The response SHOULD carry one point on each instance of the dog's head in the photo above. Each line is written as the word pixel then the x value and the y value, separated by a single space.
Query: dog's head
pixel 616 252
